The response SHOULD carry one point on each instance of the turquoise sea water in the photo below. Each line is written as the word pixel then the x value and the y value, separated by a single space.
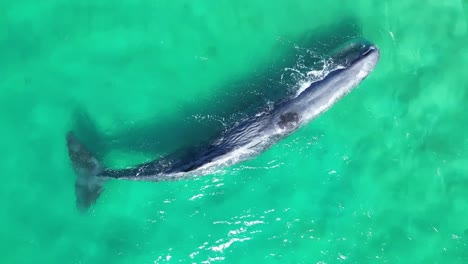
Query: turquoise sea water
pixel 382 177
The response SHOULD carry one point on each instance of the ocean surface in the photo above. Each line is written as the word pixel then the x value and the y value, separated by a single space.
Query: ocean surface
pixel 382 177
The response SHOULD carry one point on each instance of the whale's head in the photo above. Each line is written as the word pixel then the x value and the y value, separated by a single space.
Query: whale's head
pixel 353 52
pixel 355 61
pixel 352 63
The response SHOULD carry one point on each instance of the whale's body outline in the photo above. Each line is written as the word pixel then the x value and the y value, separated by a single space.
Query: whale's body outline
pixel 244 141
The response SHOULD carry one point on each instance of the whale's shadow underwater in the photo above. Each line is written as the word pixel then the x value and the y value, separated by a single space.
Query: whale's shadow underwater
pixel 245 120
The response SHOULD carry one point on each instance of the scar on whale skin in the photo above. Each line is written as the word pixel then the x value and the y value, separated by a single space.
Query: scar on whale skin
pixel 288 120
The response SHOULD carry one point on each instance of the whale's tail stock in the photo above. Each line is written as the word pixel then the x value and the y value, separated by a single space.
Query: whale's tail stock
pixel 88 185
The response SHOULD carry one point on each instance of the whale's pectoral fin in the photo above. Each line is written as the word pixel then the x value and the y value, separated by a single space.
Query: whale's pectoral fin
pixel 88 185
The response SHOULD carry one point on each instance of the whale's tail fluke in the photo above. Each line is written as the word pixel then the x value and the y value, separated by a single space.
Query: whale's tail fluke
pixel 88 185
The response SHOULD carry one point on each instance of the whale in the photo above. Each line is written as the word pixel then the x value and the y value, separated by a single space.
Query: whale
pixel 352 63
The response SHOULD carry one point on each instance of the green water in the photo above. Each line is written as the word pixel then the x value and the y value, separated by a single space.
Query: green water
pixel 380 178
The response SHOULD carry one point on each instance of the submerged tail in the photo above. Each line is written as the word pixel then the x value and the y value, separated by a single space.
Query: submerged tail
pixel 88 185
